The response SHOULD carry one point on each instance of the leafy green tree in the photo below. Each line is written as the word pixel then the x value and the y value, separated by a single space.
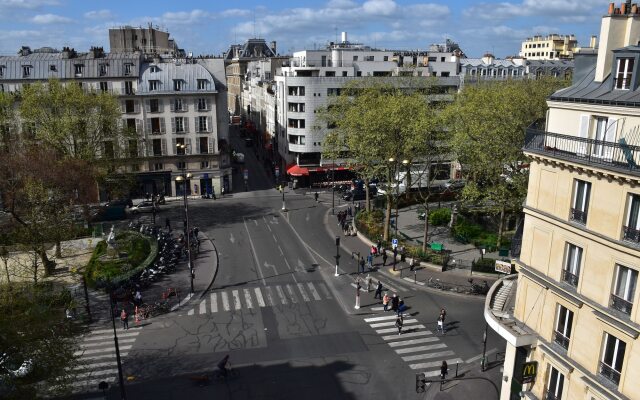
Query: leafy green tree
pixel 487 123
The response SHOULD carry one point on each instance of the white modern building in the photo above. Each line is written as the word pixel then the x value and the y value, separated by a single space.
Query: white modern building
pixel 550 47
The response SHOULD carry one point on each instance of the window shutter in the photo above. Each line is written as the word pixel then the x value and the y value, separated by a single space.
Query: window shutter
pixel 164 147
pixel 211 146
pixel 138 126
pixel 195 121
pixel 188 146
pixel 162 127
pixel 172 105
pixel 147 126
pixel 185 121
pixel 610 136
pixel 147 105
pixel 173 124
pixel 583 133
pixel 209 124
pixel 174 146
pixel 149 149
pixel 110 86
pixel 123 106
pixel 122 88
pixel 160 105
pixel 136 106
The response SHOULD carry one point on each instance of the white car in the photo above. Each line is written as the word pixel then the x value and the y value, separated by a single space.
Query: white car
pixel 144 206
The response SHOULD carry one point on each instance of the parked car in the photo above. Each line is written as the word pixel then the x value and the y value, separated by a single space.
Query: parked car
pixel 144 206
pixel 455 184
pixel 357 195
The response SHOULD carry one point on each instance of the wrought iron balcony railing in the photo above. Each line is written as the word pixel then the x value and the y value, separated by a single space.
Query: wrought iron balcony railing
pixel 630 234
pixel 561 339
pixel 578 216
pixel 609 373
pixel 618 156
pixel 621 304
pixel 570 278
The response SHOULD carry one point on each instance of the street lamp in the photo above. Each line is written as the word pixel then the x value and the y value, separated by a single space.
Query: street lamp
pixel 184 177
pixel 284 207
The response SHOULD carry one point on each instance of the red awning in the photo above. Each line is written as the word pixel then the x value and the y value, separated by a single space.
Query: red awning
pixel 297 170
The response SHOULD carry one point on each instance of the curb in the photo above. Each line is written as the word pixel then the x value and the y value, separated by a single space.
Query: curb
pixel 215 274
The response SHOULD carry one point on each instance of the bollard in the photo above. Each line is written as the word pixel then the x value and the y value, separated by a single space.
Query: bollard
pixel 415 276
pixel 456 370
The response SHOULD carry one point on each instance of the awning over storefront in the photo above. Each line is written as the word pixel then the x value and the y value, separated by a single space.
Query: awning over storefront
pixel 296 170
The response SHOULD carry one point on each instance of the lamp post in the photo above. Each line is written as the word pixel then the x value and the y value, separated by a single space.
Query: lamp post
pixel 114 303
pixel 333 187
pixel 284 207
pixel 337 254
pixel 184 177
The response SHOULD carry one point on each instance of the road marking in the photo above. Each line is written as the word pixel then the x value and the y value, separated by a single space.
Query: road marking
pixel 325 290
pixel 192 311
pixel 385 286
pixel 434 364
pixel 410 334
pixel 214 302
pixel 418 357
pixel 294 299
pixel 412 280
pixel 421 348
pixel 387 330
pixel 259 297
pixel 95 351
pixel 203 307
pixel 96 373
pixel 414 341
pixel 102 337
pixel 305 297
pixel 236 299
pixel 391 323
pixel 381 308
pixel 380 318
pixel 429 374
pixel 225 301
pixel 253 250
pixel 247 298
pixel 283 298
pixel 313 291
pixel 479 356
pixel 270 296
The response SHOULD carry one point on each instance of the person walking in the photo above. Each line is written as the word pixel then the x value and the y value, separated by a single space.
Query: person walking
pixel 444 370
pixel 440 324
pixel 385 302
pixel 379 245
pixel 368 283
pixel 315 196
pixel 384 258
pixel 378 294
pixel 370 261
pixel 395 254
pixel 361 265
pixel 399 323
pixel 124 317
pixel 401 307
pixel 395 300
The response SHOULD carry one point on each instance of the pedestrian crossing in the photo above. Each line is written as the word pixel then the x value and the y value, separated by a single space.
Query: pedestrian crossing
pixel 97 357
pixel 260 297
pixel 419 347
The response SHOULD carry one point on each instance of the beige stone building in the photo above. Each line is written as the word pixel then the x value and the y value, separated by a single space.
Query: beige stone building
pixel 550 47
pixel 570 316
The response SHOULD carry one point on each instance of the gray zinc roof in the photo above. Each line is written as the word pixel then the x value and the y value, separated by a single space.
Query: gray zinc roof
pixel 589 91
pixel 167 72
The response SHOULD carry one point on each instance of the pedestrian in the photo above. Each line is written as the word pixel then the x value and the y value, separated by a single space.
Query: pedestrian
pixel 385 302
pixel 315 196
pixel 362 265
pixel 395 254
pixel 137 299
pixel 349 211
pixel 374 250
pixel 412 264
pixel 379 245
pixel 399 323
pixel 444 370
pixel 124 317
pixel 384 258
pixel 378 294
pixel 213 192
pixel 167 224
pixel 443 314
pixel 401 307
pixel 368 283
pixel 440 324
pixel 395 300
pixel 370 261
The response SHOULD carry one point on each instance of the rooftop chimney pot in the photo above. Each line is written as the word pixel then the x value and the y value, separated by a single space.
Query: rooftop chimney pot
pixel 611 8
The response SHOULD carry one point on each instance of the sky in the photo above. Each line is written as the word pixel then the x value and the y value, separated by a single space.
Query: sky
pixel 210 27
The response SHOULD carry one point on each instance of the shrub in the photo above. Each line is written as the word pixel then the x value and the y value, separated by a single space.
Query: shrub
pixel 485 265
pixel 440 216
pixel 466 229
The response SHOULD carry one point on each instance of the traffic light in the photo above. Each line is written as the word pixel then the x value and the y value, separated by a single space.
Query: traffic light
pixel 421 384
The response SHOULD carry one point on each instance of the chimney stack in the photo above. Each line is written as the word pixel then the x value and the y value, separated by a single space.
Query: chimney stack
pixel 634 8
pixel 593 41
pixel 344 37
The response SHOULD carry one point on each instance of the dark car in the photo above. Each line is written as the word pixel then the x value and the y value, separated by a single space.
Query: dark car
pixel 357 195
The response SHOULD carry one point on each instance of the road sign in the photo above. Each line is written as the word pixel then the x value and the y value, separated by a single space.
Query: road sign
pixel 277 172
pixel 529 372
pixel 503 267
pixel 246 174
pixel 394 243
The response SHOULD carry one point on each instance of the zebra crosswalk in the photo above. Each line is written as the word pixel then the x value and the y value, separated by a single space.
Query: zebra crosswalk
pixel 97 357
pixel 259 297
pixel 417 346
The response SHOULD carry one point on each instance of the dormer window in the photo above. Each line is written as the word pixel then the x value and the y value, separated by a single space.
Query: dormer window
pixel 78 69
pixel 103 69
pixel 154 85
pixel 26 71
pixel 155 68
pixel 128 68
pixel 2 67
pixel 623 74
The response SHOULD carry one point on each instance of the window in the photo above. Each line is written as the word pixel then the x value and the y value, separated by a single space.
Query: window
pixel 52 68
pixel 2 67
pixel 571 271
pixel 203 84
pixel 178 105
pixel 103 69
pixel 128 69
pixel 631 231
pixel 26 71
pixel 203 145
pixel 202 124
pixel 554 385
pixel 625 289
pixel 131 124
pixel 296 90
pixel 157 147
pixel 296 123
pixel 344 73
pixel 296 107
pixel 181 148
pixel 355 58
pixel 154 69
pixel 369 58
pixel 623 76
pixel 154 85
pixel 330 73
pixel 359 73
pixel 204 164
pixel 612 358
pixel 181 165
pixel 108 149
pixel 154 105
pixel 104 87
pixel 581 191
pixel 158 167
pixel 605 131
pixel 203 105
pixel 128 87
pixel 1 87
pixel 564 322
pixel 432 59
pixel 179 121
pixel 129 106
pixel 442 59
pixel 156 126
pixel 385 58
pixel 133 148
pixel 178 85
pixel 78 69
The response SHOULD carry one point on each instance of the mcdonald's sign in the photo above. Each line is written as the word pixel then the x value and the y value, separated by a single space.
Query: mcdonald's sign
pixel 529 372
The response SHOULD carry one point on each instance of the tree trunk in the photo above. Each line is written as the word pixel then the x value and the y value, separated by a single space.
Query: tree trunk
pixel 58 249
pixel 49 265
pixel 35 266
pixel 367 195
pixel 500 227
pixel 387 218
pixel 6 270
pixel 425 236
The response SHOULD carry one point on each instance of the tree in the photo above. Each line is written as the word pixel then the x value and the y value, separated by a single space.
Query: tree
pixel 487 123
pixel 373 122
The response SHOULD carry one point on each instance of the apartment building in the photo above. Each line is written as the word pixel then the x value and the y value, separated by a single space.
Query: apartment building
pixel 570 316
pixel 550 47
pixel 167 102
pixel 149 40
pixel 489 68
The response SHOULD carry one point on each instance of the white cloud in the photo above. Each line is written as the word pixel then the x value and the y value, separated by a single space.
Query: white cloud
pixel 342 4
pixel 44 19
pixel 548 8
pixel 99 14
pixel 235 13
pixel 185 17
pixel 26 4
pixel 379 7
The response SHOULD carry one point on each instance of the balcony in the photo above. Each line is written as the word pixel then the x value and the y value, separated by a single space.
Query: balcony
pixel 620 304
pixel 561 340
pixel 578 216
pixel 569 278
pixel 630 234
pixel 550 396
pixel 609 373
pixel 616 156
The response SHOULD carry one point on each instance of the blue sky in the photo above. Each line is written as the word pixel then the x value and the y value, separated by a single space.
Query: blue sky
pixel 209 27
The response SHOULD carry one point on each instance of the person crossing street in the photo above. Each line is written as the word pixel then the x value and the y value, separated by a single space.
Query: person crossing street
pixel 378 294
pixel 399 323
